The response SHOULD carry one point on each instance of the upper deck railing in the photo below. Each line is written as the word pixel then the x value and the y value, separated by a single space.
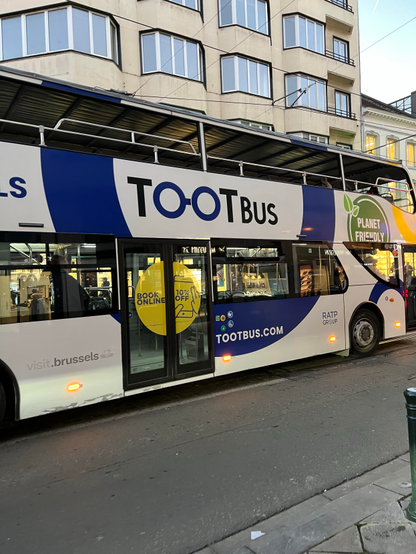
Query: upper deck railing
pixel 390 190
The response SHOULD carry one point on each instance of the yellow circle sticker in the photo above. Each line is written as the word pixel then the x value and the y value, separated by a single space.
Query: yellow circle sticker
pixel 150 298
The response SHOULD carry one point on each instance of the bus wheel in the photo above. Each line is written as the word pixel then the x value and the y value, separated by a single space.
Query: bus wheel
pixel 2 403
pixel 365 333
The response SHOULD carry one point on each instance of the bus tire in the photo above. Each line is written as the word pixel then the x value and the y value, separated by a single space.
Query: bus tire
pixel 2 403
pixel 365 333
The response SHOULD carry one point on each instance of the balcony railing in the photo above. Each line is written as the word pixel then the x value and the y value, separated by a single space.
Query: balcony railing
pixel 339 57
pixel 342 4
pixel 342 113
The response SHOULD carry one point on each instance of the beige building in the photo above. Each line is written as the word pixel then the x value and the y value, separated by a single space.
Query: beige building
pixel 289 66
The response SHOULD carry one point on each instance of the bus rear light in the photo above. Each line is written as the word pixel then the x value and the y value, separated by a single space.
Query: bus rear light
pixel 226 358
pixel 397 324
pixel 73 387
pixel 332 338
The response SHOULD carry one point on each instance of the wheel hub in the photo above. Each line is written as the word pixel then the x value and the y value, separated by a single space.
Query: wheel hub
pixel 363 333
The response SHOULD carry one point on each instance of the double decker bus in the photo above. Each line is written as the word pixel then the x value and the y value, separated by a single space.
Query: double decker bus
pixel 143 246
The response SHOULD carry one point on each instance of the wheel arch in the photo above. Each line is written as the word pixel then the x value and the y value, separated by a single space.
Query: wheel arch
pixel 11 388
pixel 372 308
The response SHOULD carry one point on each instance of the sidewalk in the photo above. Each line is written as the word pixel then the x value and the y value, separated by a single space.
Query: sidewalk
pixel 364 515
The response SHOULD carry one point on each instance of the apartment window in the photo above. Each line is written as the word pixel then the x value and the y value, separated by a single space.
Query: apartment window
pixel 305 33
pixel 392 150
pixel 322 139
pixel 341 50
pixel 410 153
pixel 169 54
pixel 255 124
pixel 242 74
pixel 247 13
pixel 55 30
pixel 193 4
pixel 305 91
pixel 370 143
pixel 342 104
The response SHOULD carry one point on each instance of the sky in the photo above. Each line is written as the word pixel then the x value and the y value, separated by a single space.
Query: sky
pixel 388 69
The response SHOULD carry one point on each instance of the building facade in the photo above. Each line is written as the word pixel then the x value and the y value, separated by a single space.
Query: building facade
pixel 389 132
pixel 288 66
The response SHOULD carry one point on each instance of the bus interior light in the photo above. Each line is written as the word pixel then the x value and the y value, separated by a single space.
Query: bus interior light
pixel 73 387
pixel 226 358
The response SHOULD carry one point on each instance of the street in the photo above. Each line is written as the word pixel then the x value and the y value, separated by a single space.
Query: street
pixel 173 471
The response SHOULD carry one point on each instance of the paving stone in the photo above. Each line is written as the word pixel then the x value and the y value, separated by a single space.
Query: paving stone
pixel 370 477
pixel 388 539
pixel 328 521
pixel 404 503
pixel 347 541
pixel 406 457
pixel 244 550
pixel 392 513
pixel 300 513
pixel 392 482
pixel 207 550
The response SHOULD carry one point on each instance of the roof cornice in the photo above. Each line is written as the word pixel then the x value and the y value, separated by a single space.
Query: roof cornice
pixel 386 115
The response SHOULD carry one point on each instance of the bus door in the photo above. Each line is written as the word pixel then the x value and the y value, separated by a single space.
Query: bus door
pixel 165 311
pixel 409 276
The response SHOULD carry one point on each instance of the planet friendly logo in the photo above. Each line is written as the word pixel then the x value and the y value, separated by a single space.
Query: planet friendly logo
pixel 150 298
pixel 367 221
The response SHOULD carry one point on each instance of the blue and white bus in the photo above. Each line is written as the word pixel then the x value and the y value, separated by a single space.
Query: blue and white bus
pixel 143 246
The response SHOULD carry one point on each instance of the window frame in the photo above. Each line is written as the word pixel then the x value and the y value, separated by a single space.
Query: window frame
pixel 413 146
pixel 234 16
pixel 392 142
pixel 374 245
pixel 283 246
pixel 338 57
pixel 33 237
pixel 347 96
pixel 315 23
pixel 157 33
pixel 371 152
pixel 236 57
pixel 112 49
pixel 299 77
pixel 182 3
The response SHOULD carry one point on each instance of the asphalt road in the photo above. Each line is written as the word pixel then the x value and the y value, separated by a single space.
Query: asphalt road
pixel 171 472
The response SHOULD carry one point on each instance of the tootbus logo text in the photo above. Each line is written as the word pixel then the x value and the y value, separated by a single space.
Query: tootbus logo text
pixel 249 210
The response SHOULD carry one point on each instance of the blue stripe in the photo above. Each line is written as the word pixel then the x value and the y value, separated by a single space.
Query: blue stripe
pixel 318 213
pixel 246 321
pixel 81 92
pixel 81 193
pixel 377 291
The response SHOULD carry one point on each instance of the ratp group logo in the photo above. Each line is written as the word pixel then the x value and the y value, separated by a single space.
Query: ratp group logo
pixel 367 220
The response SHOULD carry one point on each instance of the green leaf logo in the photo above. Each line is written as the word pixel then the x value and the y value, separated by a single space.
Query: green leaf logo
pixel 355 211
pixel 348 205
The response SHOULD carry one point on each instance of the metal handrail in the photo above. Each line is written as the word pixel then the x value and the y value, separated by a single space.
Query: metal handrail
pixel 42 130
pixel 341 113
pixel 339 57
pixel 342 4
pixel 131 133
pixel 304 174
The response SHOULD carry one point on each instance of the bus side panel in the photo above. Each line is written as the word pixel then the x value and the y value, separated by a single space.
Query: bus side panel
pixel 48 356
pixel 364 287
pixel 21 186
pixel 257 334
